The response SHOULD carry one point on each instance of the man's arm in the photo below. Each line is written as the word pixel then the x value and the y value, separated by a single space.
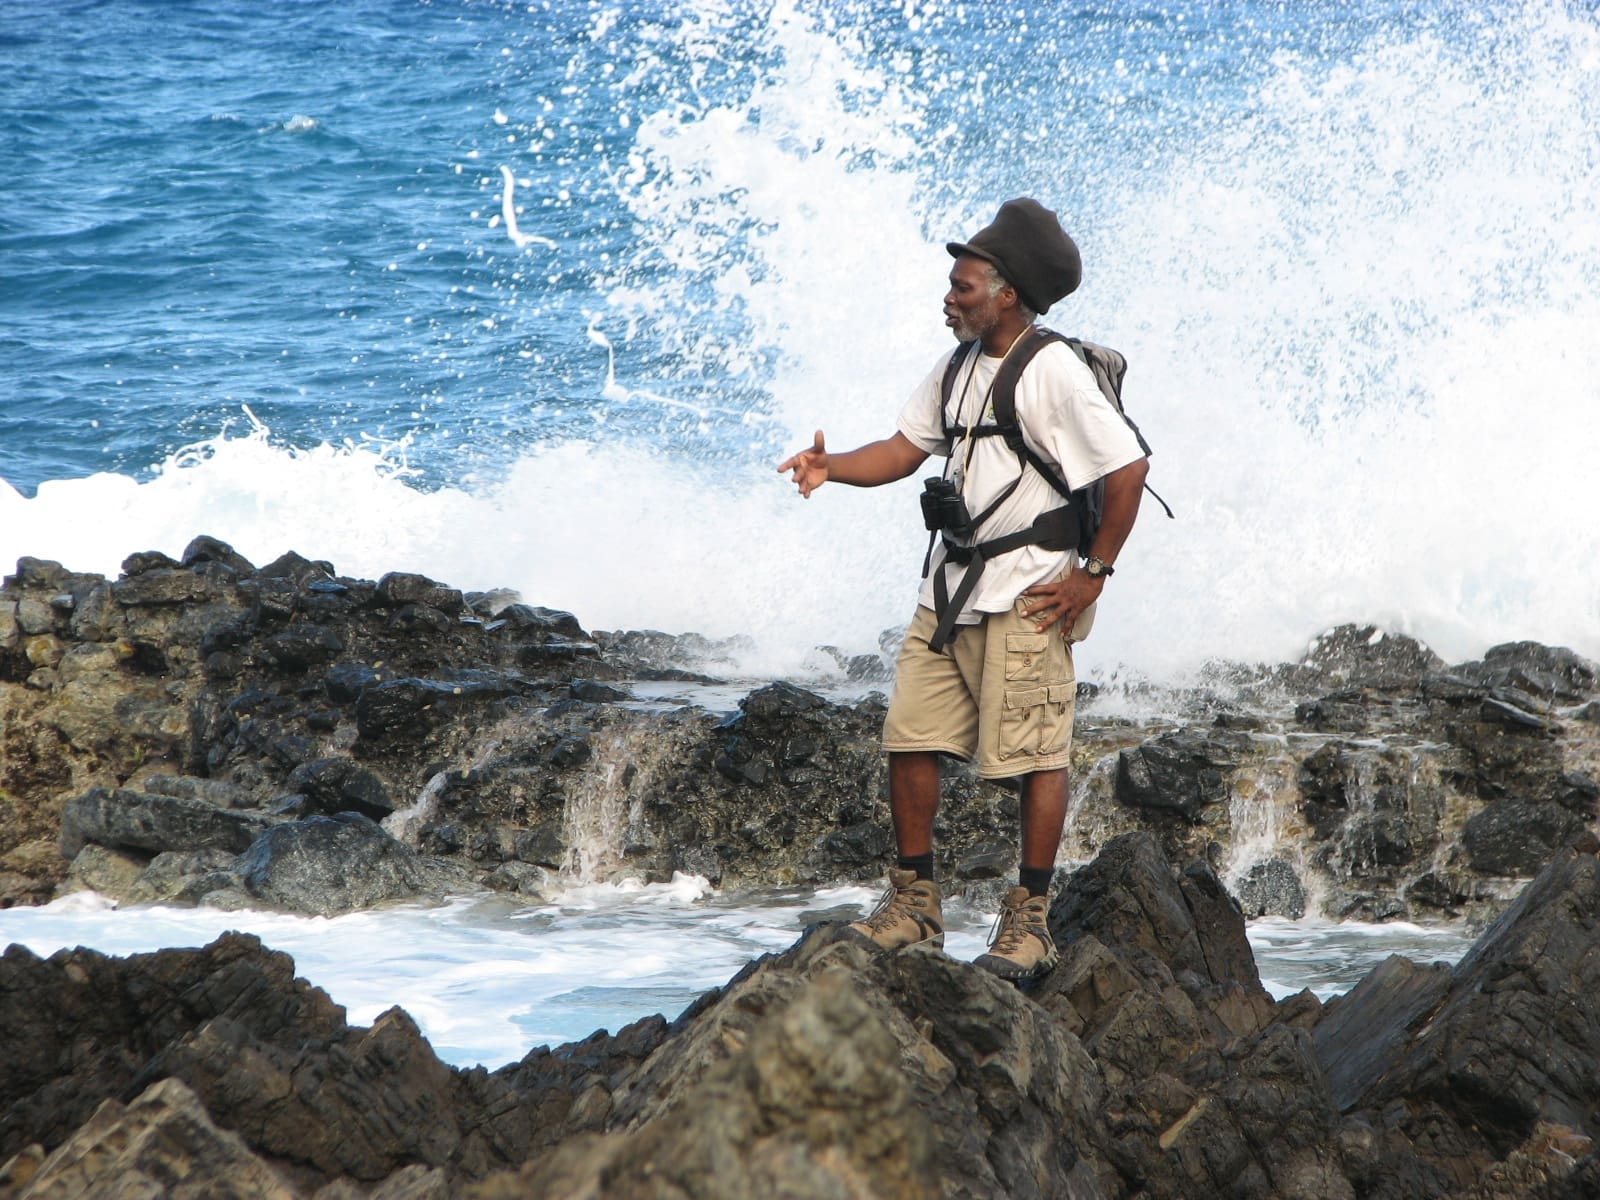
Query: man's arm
pixel 1065 599
pixel 870 465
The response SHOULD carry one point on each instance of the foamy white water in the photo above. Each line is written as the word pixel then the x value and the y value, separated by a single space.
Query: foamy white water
pixel 488 979
pixel 1331 957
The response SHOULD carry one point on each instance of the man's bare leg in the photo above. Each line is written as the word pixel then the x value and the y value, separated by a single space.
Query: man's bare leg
pixel 1045 796
pixel 913 800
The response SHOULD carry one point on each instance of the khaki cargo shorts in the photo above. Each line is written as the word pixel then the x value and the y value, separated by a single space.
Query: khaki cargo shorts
pixel 1002 693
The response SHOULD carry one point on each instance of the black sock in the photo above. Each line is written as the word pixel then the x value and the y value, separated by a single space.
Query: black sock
pixel 922 864
pixel 1036 879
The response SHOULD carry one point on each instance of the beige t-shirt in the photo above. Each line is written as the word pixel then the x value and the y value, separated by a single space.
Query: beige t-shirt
pixel 1064 417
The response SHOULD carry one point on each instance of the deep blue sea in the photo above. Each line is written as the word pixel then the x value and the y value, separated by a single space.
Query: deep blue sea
pixel 536 295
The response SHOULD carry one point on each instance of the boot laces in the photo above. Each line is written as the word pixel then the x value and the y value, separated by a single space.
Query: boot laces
pixel 1011 927
pixel 890 910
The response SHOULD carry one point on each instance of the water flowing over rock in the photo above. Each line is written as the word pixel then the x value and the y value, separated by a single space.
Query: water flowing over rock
pixel 1148 1063
pixel 192 708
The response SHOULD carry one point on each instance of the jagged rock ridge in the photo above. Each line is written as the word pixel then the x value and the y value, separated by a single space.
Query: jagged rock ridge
pixel 1149 1063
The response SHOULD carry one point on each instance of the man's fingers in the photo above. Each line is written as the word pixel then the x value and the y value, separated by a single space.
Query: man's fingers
pixel 795 461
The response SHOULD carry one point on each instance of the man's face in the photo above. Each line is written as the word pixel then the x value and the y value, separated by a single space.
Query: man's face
pixel 969 310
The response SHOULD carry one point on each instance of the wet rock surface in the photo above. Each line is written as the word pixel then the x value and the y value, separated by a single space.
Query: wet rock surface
pixel 205 707
pixel 1148 1063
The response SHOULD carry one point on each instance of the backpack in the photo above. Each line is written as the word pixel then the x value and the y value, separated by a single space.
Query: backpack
pixel 1108 367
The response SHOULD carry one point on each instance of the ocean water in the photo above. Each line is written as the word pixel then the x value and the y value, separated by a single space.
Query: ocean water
pixel 473 288
pixel 487 980
pixel 537 294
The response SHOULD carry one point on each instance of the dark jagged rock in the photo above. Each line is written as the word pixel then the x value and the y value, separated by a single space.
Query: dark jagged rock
pixel 408 709
pixel 1176 772
pixel 79 1026
pixel 268 1057
pixel 592 692
pixel 1364 655
pixel 1553 674
pixel 547 621
pixel 496 725
pixel 1272 888
pixel 161 585
pixel 651 654
pixel 1516 837
pixel 126 818
pixel 209 549
pixel 147 560
pixel 1130 898
pixel 400 590
pixel 164 1143
pixel 1374 809
pixel 168 725
pixel 330 865
pixel 215 792
pixel 1467 1066
pixel 335 785
pixel 1148 1064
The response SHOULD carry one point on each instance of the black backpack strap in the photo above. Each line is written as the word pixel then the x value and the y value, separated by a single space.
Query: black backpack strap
pixel 947 386
pixel 1058 529
pixel 1004 396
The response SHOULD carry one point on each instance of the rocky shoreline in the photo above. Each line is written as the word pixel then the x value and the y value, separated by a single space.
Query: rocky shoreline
pixel 207 731
pixel 1149 1063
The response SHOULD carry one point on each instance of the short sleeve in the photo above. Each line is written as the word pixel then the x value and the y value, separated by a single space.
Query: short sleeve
pixel 921 420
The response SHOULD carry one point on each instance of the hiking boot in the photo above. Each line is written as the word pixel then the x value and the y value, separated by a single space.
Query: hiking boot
pixel 908 914
pixel 1021 948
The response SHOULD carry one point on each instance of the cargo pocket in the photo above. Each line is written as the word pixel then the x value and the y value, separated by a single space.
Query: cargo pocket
pixel 1037 705
pixel 1037 720
pixel 1025 656
pixel 1023 720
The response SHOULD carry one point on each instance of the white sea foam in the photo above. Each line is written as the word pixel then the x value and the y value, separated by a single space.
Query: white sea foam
pixel 618 536
pixel 488 978
pixel 1364 349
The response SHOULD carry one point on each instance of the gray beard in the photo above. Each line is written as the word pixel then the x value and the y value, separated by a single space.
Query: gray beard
pixel 969 333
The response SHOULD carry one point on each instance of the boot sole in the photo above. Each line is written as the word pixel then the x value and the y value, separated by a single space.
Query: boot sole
pixel 1014 972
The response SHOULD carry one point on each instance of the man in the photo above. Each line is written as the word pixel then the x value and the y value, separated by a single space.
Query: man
pixel 986 671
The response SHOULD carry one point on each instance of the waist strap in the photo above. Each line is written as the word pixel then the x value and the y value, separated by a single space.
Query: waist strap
pixel 1054 530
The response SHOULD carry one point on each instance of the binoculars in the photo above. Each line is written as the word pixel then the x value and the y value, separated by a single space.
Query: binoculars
pixel 944 509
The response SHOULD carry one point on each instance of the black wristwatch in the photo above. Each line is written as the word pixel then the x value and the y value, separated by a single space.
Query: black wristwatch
pixel 1097 567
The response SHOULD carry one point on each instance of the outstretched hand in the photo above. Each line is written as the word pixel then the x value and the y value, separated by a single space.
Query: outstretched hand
pixel 810 467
